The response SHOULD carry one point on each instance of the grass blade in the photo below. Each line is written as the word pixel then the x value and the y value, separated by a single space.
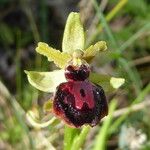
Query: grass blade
pixel 141 96
pixel 78 141
pixel 109 17
pixel 69 135
pixel 104 132
pixel 104 22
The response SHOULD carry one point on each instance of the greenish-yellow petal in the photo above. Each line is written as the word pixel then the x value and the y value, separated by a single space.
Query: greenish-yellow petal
pixel 59 58
pixel 92 51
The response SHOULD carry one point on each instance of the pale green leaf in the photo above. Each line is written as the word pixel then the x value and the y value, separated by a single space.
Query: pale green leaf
pixel 73 37
pixel 109 84
pixel 90 52
pixel 46 81
pixel 59 58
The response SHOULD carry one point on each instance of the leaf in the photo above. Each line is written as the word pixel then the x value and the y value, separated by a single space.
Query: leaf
pixel 46 81
pixel 59 58
pixel 93 50
pixel 102 136
pixel 109 84
pixel 73 37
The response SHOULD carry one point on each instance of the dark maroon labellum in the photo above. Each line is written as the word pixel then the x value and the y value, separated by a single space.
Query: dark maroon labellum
pixel 78 101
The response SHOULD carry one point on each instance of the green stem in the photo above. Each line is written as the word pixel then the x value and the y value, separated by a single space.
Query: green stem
pixel 79 141
pixel 116 9
pixel 69 135
pixel 101 138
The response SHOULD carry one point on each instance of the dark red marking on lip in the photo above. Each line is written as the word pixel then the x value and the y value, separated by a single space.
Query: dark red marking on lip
pixel 77 110
pixel 82 92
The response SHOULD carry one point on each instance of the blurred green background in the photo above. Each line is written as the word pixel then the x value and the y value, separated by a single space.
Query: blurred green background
pixel 123 24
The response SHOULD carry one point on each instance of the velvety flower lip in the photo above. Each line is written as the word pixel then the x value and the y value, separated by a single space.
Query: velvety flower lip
pixel 77 108
pixel 79 101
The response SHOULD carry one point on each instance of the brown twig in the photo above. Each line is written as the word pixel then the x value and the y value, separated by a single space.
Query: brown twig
pixel 140 61
pixel 134 108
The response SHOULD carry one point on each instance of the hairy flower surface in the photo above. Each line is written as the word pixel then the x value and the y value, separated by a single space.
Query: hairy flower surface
pixel 79 101
pixel 77 73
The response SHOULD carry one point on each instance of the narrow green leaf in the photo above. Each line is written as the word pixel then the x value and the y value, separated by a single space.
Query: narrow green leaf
pixel 94 49
pixel 59 58
pixel 46 81
pixel 101 138
pixel 18 113
pixel 109 84
pixel 73 38
pixel 104 23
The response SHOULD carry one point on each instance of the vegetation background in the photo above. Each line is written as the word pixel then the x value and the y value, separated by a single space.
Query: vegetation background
pixel 124 24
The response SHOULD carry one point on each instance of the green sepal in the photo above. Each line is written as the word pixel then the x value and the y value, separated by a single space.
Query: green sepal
pixel 73 37
pixel 35 121
pixel 59 58
pixel 46 81
pixel 108 83
pixel 91 51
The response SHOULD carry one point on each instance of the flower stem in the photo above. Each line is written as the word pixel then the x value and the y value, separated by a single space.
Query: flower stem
pixel 69 135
